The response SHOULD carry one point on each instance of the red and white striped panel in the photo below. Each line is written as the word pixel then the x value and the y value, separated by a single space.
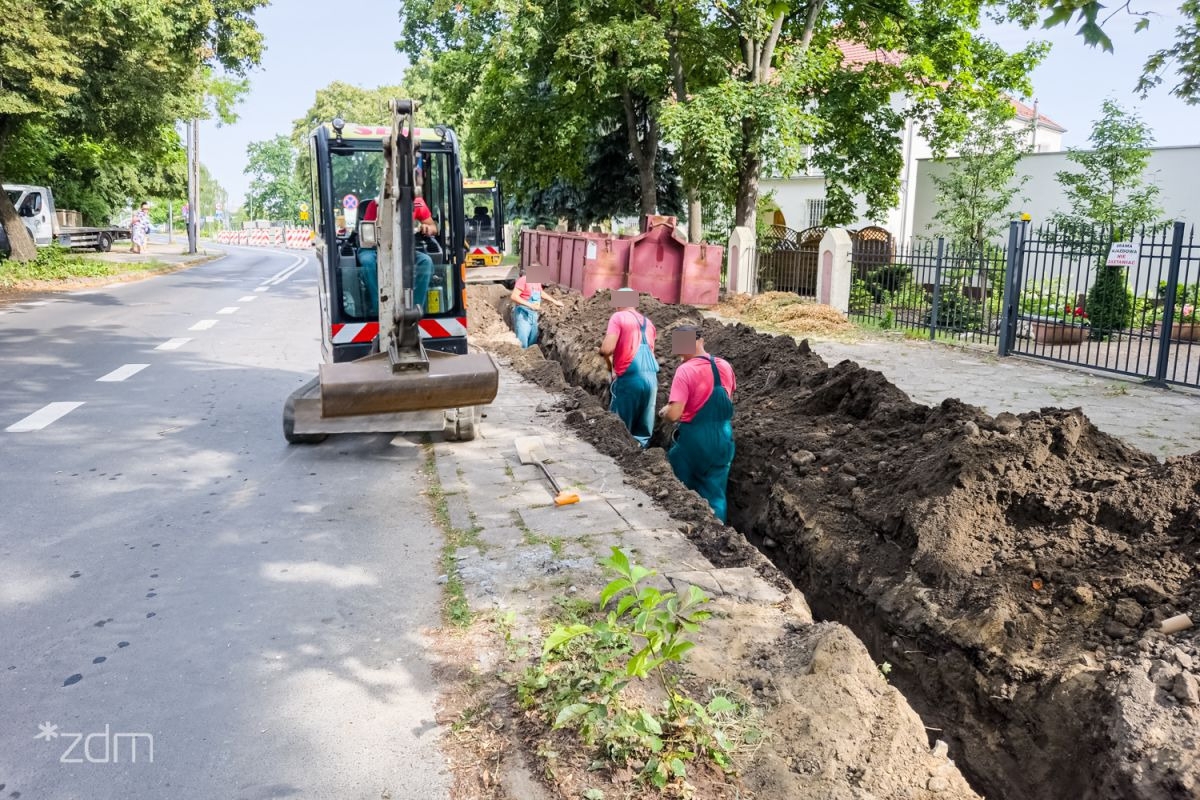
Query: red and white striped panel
pixel 355 332
pixel 485 250
pixel 298 238
pixel 443 327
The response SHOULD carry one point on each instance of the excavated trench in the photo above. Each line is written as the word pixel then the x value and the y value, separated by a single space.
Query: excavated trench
pixel 1012 569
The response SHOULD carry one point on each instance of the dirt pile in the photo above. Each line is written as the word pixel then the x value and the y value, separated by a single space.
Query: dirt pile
pixel 836 728
pixel 786 311
pixel 1013 569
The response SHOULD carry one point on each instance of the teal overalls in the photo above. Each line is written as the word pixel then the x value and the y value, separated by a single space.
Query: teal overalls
pixel 634 393
pixel 703 448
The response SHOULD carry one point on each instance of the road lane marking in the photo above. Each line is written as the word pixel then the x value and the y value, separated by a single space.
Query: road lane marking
pixel 280 277
pixel 172 344
pixel 203 325
pixel 250 298
pixel 42 417
pixel 228 310
pixel 262 288
pixel 121 373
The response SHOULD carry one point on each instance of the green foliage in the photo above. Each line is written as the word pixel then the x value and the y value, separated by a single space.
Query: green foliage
pixel 861 297
pixel 974 200
pixel 956 312
pixel 1109 302
pixel 579 682
pixel 275 189
pixel 887 279
pixel 1111 191
pixel 91 90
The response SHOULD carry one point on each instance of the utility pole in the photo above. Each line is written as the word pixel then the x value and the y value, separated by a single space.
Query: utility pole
pixel 193 168
pixel 170 222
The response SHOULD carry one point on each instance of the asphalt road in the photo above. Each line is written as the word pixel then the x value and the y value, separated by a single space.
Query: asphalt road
pixel 175 577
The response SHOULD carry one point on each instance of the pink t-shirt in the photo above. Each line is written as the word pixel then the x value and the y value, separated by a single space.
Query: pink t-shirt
pixel 627 325
pixel 693 384
pixel 527 288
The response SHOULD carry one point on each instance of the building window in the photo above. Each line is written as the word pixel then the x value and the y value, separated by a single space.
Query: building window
pixel 816 212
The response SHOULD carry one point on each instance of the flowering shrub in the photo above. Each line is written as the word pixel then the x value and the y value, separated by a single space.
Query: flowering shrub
pixel 1187 315
pixel 1066 313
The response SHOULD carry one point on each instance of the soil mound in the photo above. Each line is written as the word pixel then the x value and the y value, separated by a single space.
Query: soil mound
pixel 1013 569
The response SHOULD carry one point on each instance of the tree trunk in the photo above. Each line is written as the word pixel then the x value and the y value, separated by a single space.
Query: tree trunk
pixel 19 239
pixel 695 215
pixel 644 148
pixel 746 207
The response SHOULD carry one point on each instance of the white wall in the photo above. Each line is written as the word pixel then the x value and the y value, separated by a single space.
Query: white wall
pixel 1176 170
pixel 792 194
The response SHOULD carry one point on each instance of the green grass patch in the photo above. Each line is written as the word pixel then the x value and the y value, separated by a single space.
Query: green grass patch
pixel 58 263
pixel 455 607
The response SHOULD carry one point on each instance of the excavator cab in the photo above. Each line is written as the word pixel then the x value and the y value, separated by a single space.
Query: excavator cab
pixel 484 206
pixel 393 300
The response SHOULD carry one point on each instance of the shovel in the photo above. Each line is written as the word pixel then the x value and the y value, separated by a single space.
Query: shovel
pixel 529 450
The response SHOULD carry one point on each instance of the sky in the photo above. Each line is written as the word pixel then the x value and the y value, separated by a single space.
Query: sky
pixel 310 43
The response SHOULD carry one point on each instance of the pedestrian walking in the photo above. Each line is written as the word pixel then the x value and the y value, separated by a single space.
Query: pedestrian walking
pixel 139 228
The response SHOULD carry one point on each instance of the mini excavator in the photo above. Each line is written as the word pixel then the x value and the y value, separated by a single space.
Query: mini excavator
pixel 394 335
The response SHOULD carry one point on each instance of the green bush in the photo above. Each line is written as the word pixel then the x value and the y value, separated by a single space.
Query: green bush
pixel 1109 302
pixel 887 279
pixel 860 296
pixel 957 313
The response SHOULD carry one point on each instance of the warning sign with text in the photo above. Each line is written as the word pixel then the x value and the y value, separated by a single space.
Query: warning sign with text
pixel 1123 254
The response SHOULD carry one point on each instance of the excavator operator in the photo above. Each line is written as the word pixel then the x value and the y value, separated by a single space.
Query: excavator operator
pixel 368 258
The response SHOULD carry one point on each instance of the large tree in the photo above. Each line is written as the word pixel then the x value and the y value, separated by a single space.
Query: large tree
pixel 975 197
pixel 275 190
pixel 112 74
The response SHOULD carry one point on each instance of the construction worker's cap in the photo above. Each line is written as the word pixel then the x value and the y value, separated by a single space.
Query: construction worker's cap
pixel 421 212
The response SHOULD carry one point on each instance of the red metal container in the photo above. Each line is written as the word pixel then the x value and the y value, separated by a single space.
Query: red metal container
pixel 658 261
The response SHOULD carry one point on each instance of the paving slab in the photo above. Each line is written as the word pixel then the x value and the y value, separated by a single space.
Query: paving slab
pixel 588 517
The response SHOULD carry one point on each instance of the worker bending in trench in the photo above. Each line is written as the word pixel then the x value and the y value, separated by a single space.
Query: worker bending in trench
pixel 527 296
pixel 628 347
pixel 701 401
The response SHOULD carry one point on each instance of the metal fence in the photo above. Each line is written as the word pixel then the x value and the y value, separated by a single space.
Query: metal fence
pixel 1049 295
pixel 1068 305
pixel 932 289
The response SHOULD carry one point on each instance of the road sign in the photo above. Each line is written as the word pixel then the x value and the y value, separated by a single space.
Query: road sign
pixel 304 216
pixel 1123 254
pixel 349 202
pixel 304 208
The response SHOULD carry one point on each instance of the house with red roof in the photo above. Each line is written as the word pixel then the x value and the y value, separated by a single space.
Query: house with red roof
pixel 800 199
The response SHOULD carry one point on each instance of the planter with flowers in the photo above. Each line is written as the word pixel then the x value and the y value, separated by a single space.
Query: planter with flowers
pixel 1054 319
pixel 1066 324
pixel 1185 325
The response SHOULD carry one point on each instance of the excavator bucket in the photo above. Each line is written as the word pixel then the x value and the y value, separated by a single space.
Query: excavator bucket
pixel 369 386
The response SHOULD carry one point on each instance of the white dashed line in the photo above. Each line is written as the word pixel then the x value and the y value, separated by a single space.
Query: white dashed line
pixel 228 310
pixel 172 344
pixel 203 325
pixel 43 417
pixel 262 288
pixel 121 373
pixel 250 298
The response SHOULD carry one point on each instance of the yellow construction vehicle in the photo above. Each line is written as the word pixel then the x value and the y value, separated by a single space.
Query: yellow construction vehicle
pixel 483 201
pixel 393 297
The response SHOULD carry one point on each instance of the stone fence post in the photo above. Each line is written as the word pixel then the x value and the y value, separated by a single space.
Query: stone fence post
pixel 741 257
pixel 835 270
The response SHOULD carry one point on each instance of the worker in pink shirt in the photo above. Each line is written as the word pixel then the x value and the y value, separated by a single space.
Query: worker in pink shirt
pixel 701 402
pixel 628 347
